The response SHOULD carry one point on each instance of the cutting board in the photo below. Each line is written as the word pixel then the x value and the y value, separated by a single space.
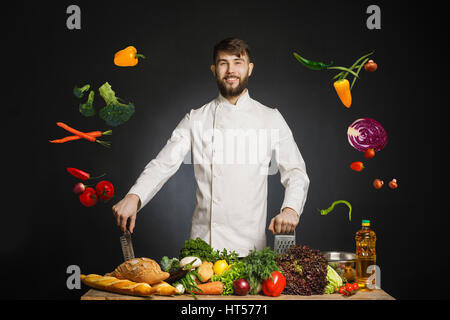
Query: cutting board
pixel 377 294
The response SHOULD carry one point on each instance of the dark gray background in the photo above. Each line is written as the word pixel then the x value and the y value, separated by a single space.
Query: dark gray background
pixel 47 229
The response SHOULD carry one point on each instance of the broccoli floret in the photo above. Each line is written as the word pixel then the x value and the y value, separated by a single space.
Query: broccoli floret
pixel 115 112
pixel 79 92
pixel 87 108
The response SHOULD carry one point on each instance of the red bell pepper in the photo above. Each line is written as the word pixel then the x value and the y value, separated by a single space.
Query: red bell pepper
pixel 275 285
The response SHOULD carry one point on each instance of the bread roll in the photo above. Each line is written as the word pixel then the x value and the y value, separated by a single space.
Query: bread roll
pixel 140 270
pixel 112 284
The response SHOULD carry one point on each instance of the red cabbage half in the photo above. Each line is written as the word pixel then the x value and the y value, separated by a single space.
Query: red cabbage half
pixel 366 134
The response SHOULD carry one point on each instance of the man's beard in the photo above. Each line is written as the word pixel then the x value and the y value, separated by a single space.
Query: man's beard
pixel 227 91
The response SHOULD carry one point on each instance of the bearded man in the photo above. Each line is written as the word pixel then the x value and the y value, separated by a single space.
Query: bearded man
pixel 232 139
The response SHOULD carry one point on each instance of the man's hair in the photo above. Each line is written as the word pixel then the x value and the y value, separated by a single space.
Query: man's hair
pixel 233 46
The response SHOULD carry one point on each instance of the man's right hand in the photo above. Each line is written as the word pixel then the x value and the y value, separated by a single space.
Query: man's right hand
pixel 126 209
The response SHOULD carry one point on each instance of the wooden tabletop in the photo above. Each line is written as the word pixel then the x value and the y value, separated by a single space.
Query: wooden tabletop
pixel 377 294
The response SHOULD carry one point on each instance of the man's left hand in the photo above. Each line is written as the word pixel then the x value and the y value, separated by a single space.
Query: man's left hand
pixel 284 222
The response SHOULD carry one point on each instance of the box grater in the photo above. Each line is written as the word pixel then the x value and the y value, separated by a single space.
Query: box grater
pixel 283 241
pixel 127 246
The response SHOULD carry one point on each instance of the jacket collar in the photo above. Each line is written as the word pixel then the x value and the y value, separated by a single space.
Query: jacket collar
pixel 242 101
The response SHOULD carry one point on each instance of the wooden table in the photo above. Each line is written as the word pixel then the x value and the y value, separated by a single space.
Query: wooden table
pixel 377 294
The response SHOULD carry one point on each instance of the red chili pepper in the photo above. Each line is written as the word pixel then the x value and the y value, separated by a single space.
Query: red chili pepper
pixel 77 173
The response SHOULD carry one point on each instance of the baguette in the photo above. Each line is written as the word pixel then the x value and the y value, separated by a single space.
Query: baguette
pixel 164 289
pixel 113 284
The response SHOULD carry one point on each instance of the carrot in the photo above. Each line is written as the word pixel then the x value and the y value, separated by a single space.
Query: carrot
pixel 95 134
pixel 74 131
pixel 214 288
pixel 81 134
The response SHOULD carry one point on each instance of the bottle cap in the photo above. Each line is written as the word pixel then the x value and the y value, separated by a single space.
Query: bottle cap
pixel 366 222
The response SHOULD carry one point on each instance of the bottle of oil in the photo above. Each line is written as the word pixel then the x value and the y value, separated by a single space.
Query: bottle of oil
pixel 365 255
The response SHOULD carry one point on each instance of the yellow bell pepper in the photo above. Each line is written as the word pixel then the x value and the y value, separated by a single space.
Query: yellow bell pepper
pixel 220 267
pixel 127 57
pixel 343 90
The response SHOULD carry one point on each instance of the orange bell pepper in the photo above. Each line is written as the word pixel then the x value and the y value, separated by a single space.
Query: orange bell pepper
pixel 127 57
pixel 343 90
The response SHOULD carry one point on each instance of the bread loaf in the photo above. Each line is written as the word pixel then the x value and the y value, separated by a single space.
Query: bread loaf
pixel 140 270
pixel 164 289
pixel 112 284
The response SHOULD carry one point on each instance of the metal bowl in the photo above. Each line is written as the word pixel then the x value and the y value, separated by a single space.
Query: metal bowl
pixel 339 256
pixel 343 262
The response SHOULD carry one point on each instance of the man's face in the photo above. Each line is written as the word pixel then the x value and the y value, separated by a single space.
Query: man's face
pixel 231 73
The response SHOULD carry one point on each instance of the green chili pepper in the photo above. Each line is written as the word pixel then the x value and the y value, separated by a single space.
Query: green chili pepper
pixel 313 65
pixel 326 211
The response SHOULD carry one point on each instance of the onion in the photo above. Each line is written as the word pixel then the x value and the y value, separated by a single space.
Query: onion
pixel 241 287
pixel 366 134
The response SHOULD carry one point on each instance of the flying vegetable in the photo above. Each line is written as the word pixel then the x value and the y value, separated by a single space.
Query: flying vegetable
pixel 114 113
pixel 79 92
pixel 127 57
pixel 341 85
pixel 87 108
pixel 326 211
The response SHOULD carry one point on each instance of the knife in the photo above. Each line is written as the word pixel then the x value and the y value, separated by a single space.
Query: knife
pixel 127 246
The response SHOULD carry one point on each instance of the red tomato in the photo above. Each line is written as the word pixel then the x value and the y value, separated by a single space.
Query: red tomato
pixel 393 184
pixel 370 66
pixel 377 183
pixel 104 190
pixel 355 286
pixel 349 287
pixel 342 290
pixel 357 166
pixel 88 198
pixel 275 285
pixel 369 153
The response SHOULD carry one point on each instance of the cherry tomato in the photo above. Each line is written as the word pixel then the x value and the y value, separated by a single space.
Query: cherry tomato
pixel 393 184
pixel 377 183
pixel 104 190
pixel 369 153
pixel 355 286
pixel 370 66
pixel 357 166
pixel 349 287
pixel 342 290
pixel 88 198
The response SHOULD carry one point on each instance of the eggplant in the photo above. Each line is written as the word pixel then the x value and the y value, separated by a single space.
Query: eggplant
pixel 176 275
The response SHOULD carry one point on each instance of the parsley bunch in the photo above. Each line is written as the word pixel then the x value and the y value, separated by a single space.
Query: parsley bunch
pixel 258 266
pixel 201 249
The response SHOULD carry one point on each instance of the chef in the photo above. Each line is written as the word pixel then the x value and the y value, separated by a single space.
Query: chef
pixel 232 139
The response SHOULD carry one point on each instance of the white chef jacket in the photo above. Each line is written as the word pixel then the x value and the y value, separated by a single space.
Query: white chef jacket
pixel 232 147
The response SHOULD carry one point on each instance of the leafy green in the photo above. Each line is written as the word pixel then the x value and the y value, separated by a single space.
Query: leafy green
pixel 189 284
pixel 234 272
pixel 258 266
pixel 231 257
pixel 201 249
pixel 334 281
pixel 169 265
pixel 114 113
pixel 197 248
pixel 79 92
pixel 87 108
